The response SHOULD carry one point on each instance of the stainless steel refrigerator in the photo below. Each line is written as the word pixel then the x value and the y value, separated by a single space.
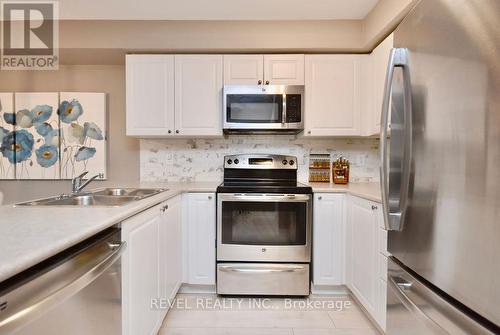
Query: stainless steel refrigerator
pixel 440 170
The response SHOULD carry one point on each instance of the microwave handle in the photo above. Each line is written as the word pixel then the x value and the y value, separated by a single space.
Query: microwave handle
pixel 283 113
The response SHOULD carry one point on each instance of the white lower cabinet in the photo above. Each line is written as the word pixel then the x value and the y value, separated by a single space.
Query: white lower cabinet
pixel 328 237
pixel 151 266
pixel 199 221
pixel 365 272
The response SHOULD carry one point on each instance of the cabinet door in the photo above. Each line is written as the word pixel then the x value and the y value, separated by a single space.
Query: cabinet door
pixel 198 95
pixel 328 237
pixel 140 272
pixel 284 69
pixel 150 95
pixel 243 69
pixel 363 253
pixel 172 246
pixel 200 216
pixel 379 61
pixel 332 95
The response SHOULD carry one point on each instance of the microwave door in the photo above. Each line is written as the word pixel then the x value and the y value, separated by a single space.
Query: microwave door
pixel 255 110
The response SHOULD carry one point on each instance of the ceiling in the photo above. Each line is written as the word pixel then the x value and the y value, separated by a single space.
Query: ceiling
pixel 215 9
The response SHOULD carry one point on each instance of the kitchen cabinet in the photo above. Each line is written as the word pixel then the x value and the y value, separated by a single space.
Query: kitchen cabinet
pixel 362 252
pixel 171 95
pixel 328 237
pixel 264 69
pixel 200 238
pixel 198 95
pixel 284 69
pixel 141 272
pixel 150 95
pixel 334 94
pixel 379 59
pixel 171 248
pixel 151 266
pixel 243 69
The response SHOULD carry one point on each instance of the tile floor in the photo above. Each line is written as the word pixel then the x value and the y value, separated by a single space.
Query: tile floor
pixel 319 315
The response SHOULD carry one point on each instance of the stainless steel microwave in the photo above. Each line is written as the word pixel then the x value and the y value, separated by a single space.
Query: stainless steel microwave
pixel 263 109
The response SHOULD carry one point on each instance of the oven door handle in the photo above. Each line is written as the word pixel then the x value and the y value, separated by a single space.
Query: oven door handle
pixel 287 269
pixel 265 197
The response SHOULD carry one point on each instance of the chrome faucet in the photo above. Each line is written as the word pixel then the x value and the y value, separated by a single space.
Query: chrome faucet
pixel 76 182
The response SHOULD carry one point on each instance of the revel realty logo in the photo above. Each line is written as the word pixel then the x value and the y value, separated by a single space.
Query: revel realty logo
pixel 30 35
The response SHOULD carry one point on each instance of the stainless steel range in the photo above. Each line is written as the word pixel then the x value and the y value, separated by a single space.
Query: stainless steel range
pixel 263 227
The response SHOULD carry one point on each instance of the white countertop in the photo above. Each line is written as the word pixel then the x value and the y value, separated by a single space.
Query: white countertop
pixel 369 191
pixel 29 235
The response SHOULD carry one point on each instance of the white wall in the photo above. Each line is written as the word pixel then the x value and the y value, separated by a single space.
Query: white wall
pixel 202 159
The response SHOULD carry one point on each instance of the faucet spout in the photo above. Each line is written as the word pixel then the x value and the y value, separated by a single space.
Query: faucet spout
pixel 78 186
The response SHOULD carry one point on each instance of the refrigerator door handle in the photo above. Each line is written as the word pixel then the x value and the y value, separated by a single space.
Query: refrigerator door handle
pixel 394 208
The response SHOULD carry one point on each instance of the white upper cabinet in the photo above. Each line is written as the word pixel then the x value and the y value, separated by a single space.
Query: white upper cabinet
pixel 328 237
pixel 333 95
pixel 379 59
pixel 198 95
pixel 171 95
pixel 243 69
pixel 150 95
pixel 264 69
pixel 284 69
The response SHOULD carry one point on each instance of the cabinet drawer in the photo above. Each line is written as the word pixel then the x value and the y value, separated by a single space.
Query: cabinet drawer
pixel 262 279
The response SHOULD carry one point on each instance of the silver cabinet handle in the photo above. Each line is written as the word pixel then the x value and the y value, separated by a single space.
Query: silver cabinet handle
pixel 320 197
pixel 259 82
pixel 177 131
pixel 261 270
pixel 374 207
pixel 164 208
pixel 394 210
pixel 209 197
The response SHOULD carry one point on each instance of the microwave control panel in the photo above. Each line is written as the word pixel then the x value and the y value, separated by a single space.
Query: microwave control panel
pixel 293 108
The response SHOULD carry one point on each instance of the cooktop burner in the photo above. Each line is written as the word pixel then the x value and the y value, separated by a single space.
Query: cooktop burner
pixel 261 173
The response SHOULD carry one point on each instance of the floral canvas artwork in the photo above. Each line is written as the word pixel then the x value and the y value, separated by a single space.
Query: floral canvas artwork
pixel 6 135
pixel 35 141
pixel 82 118
pixel 52 135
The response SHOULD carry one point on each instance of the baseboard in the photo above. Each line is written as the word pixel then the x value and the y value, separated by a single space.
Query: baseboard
pixel 197 289
pixel 330 290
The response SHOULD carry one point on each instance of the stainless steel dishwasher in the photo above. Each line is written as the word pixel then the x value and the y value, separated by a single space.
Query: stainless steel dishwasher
pixel 75 292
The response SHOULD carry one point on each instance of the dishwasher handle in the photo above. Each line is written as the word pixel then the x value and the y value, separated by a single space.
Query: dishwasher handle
pixel 18 318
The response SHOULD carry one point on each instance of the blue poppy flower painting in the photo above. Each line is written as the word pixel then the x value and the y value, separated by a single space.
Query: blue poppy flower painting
pixel 84 153
pixel 38 143
pixel 92 131
pixel 70 111
pixel 17 146
pixel 10 118
pixel 41 113
pixel 24 118
pixel 3 132
pixel 43 129
pixel 47 155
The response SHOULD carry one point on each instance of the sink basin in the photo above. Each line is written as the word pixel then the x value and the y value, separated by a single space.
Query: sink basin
pixel 107 197
pixel 128 192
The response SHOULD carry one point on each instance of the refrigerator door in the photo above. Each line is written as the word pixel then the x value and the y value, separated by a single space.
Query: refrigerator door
pixel 415 309
pixel 441 179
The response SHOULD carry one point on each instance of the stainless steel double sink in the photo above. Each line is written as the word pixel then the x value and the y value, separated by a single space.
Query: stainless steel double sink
pixel 106 197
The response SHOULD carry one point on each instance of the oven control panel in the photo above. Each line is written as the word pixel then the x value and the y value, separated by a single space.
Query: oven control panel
pixel 260 161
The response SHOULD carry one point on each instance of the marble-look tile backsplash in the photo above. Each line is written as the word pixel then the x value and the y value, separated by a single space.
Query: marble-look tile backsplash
pixel 202 159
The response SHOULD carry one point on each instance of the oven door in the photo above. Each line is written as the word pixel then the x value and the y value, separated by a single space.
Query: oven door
pixel 263 107
pixel 264 227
